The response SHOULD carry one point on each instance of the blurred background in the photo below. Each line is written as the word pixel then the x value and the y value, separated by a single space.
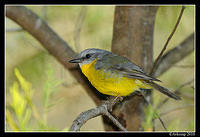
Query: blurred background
pixel 42 95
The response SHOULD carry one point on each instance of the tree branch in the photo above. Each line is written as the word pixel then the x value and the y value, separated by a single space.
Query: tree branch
pixel 177 91
pixel 100 110
pixel 174 55
pixel 55 45
pixel 169 38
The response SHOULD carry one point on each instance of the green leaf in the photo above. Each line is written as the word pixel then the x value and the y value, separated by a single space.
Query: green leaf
pixel 18 102
pixel 45 94
pixel 25 85
pixel 11 121
pixel 27 117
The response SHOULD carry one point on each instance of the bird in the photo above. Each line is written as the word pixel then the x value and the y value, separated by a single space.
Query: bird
pixel 115 75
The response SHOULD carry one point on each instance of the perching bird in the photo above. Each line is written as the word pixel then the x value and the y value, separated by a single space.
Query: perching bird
pixel 115 75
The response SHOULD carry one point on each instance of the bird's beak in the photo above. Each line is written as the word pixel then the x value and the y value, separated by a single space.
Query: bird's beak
pixel 78 60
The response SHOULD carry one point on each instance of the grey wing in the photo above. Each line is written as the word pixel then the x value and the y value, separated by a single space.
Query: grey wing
pixel 121 64
pixel 133 73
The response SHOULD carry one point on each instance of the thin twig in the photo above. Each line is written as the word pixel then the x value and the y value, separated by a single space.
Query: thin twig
pixel 184 66
pixel 177 91
pixel 187 96
pixel 174 56
pixel 192 87
pixel 161 121
pixel 175 109
pixel 115 121
pixel 87 115
pixel 169 38
pixel 44 13
pixel 26 41
pixel 78 26
pixel 14 30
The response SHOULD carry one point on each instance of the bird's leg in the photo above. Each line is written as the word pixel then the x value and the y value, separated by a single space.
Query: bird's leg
pixel 114 101
pixel 111 102
pixel 120 98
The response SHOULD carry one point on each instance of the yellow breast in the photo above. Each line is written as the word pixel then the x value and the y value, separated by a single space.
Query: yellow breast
pixel 111 83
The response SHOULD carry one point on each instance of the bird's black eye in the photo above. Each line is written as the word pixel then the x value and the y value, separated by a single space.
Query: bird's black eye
pixel 87 56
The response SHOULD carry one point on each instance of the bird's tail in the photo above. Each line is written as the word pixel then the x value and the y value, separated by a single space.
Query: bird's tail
pixel 164 91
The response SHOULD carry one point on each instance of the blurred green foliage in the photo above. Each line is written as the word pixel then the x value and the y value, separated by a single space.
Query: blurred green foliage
pixel 149 116
pixel 19 103
pixel 21 109
pixel 50 89
pixel 26 110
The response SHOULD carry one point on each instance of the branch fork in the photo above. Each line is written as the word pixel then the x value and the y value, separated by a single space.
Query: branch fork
pixel 104 109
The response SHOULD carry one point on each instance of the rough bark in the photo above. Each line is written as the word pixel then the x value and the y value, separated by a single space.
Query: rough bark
pixel 133 38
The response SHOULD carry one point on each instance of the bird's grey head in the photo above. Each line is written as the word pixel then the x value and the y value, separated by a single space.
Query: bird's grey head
pixel 88 55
